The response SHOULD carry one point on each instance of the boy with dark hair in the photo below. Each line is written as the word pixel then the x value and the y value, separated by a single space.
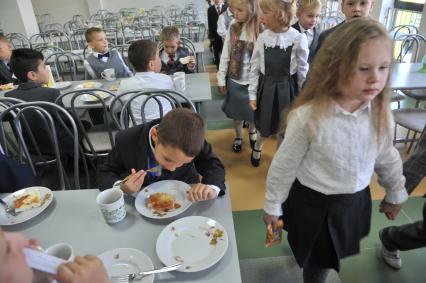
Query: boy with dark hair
pixel 28 66
pixel 6 75
pixel 174 57
pixel 101 57
pixel 143 55
pixel 177 145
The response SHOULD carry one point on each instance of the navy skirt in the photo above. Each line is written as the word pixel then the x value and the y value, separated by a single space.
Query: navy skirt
pixel 236 103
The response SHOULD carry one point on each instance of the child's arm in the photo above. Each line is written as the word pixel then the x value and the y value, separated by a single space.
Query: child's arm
pixel 302 54
pixel 284 166
pixel 388 167
pixel 126 68
pixel 255 62
pixel 224 62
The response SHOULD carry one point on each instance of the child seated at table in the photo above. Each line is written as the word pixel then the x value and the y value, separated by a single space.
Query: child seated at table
pixel 6 76
pixel 174 56
pixel 101 57
pixel 176 146
pixel 28 66
pixel 144 57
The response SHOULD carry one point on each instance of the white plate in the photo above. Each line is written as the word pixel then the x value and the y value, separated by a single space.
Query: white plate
pixel 176 188
pixel 62 85
pixel 188 240
pixel 93 99
pixel 89 84
pixel 7 219
pixel 125 261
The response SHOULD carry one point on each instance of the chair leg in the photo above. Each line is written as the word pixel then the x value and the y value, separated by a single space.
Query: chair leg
pixel 412 142
pixel 407 136
pixel 394 135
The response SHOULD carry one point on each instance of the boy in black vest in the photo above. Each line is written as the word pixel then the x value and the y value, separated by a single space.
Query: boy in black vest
pixel 102 58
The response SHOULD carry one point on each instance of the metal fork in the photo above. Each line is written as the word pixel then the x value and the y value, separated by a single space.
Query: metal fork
pixel 138 276
pixel 9 209
pixel 152 170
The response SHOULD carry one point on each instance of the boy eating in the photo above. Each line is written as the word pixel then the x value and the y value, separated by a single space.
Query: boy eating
pixel 102 58
pixel 174 57
pixel 177 145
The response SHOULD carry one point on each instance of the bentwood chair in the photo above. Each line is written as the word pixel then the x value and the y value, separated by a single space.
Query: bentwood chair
pixel 66 66
pixel 134 109
pixel 57 126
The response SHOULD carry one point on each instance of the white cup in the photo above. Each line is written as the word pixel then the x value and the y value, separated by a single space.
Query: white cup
pixel 111 203
pixel 179 81
pixel 108 74
pixel 61 250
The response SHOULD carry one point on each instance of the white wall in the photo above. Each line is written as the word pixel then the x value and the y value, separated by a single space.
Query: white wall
pixel 380 10
pixel 61 10
pixel 18 16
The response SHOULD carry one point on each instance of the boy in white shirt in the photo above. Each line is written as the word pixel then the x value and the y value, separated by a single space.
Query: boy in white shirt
pixel 145 59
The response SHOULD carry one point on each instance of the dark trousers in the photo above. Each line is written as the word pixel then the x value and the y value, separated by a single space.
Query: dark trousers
pixel 217 50
pixel 406 237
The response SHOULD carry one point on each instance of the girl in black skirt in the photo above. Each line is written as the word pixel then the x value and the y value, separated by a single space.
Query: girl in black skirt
pixel 338 133
pixel 280 52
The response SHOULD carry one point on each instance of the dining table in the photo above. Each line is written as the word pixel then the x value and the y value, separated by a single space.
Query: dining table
pixel 73 217
pixel 407 76
pixel 198 90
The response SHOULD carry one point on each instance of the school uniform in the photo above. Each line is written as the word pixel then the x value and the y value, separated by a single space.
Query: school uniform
pixel 276 57
pixel 133 149
pixel 320 176
pixel 324 35
pixel 312 35
pixel 15 176
pixel 224 22
pixel 96 63
pixel 5 73
pixel 170 64
pixel 213 13
pixel 143 81
pixel 235 65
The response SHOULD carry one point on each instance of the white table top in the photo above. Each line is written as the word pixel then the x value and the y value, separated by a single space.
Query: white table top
pixel 407 76
pixel 197 90
pixel 75 218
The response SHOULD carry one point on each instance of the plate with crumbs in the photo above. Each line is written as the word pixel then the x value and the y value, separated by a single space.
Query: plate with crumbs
pixel 195 241
pixel 163 199
pixel 44 199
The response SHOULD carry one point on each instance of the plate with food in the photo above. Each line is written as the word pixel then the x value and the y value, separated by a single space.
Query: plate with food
pixel 8 86
pixel 88 98
pixel 28 203
pixel 89 84
pixel 197 242
pixel 124 261
pixel 163 199
pixel 62 85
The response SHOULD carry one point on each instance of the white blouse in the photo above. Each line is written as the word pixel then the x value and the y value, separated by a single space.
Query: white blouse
pixel 299 55
pixel 339 158
pixel 225 58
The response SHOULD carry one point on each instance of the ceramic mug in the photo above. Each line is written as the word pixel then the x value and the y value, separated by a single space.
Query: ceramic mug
pixel 111 204
pixel 108 74
pixel 61 250
pixel 179 81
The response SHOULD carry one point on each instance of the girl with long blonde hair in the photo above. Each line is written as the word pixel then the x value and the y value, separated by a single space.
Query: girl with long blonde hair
pixel 338 133
pixel 235 65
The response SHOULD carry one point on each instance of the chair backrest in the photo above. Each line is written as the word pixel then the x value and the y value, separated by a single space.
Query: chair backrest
pixel 329 21
pixel 38 40
pixel 18 40
pixel 48 50
pixel 411 47
pixel 402 30
pixel 59 39
pixel 76 100
pixel 64 65
pixel 117 104
pixel 50 121
pixel 78 41
pixel 159 96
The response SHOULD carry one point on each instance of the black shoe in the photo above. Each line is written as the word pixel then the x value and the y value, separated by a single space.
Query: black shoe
pixel 252 138
pixel 255 161
pixel 237 144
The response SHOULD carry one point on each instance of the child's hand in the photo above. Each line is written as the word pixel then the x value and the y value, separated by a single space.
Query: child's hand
pixel 270 219
pixel 253 104
pixel 191 63
pixel 199 192
pixel 82 270
pixel 390 210
pixel 222 89
pixel 133 183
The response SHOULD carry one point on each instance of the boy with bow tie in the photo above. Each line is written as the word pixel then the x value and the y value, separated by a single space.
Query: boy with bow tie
pixel 102 58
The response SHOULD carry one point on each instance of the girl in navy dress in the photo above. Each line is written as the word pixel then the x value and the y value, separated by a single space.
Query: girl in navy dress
pixel 339 132
pixel 280 52
pixel 235 65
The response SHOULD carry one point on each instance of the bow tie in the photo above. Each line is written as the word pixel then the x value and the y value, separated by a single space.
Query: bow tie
pixel 103 55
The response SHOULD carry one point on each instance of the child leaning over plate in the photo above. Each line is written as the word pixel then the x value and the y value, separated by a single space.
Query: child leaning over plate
pixel 176 144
